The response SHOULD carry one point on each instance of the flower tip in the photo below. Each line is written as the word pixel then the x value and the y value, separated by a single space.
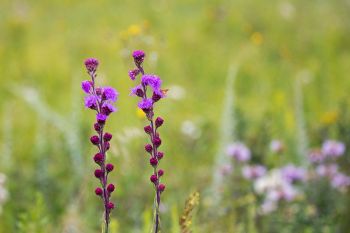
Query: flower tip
pixel 91 64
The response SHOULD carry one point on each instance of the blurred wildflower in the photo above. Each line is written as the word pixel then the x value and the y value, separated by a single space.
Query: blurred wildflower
pixel 316 156
pixel 328 170
pixel 292 173
pixel 333 149
pixel 101 100
pixel 253 172
pixel 152 83
pixel 189 129
pixel 134 30
pixel 226 169
pixel 238 151
pixel 257 38
pixel 329 118
pixel 276 146
pixel 340 181
pixel 186 218
pixel 268 206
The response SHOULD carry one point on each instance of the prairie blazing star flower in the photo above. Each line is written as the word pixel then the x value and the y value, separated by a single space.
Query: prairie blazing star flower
pixel 110 93
pixel 146 104
pixel 86 86
pixel 332 148
pixel 238 151
pixel 100 100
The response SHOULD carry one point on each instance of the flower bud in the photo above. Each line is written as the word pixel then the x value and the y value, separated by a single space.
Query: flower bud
pixel 94 140
pixel 109 167
pixel 148 148
pixel 153 178
pixel 91 64
pixel 148 129
pixel 159 121
pixel 97 127
pixel 153 161
pixel 98 191
pixel 110 188
pixel 157 141
pixel 160 155
pixel 138 56
pixel 101 118
pixel 110 205
pixel 156 97
pixel 160 172
pixel 107 137
pixel 99 173
pixel 98 158
pixel 107 145
pixel 161 187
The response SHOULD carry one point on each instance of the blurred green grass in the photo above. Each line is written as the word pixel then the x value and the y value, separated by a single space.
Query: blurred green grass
pixel 190 44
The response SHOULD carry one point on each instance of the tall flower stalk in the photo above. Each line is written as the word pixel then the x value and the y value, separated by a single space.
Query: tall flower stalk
pixel 152 84
pixel 101 100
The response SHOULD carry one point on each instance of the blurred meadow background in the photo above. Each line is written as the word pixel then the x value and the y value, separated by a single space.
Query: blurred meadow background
pixel 254 72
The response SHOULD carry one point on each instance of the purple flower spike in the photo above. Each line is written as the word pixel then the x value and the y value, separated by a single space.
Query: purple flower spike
pixel 108 108
pixel 91 64
pixel 101 118
pixel 137 91
pixel 101 100
pixel 110 93
pixel 153 81
pixel 86 86
pixel 91 102
pixel 133 73
pixel 138 56
pixel 150 92
pixel 146 105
